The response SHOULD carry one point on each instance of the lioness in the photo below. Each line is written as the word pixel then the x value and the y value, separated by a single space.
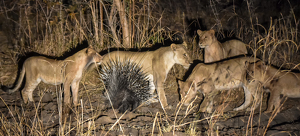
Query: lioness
pixel 275 81
pixel 67 72
pixel 215 51
pixel 209 78
pixel 155 63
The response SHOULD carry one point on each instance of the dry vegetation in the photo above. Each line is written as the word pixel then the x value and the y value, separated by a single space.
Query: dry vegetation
pixel 54 28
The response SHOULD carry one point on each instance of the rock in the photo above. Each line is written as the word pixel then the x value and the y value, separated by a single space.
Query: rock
pixel 129 116
pixel 47 98
pixel 175 134
pixel 105 120
pixel 51 106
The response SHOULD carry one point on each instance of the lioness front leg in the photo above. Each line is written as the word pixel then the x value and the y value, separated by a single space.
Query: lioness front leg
pixel 254 89
pixel 274 100
pixel 162 96
pixel 152 89
pixel 207 103
pixel 257 100
pixel 204 104
pixel 67 92
pixel 159 85
pixel 75 87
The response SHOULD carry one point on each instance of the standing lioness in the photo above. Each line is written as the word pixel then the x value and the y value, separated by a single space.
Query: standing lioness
pixel 67 72
pixel 156 64
pixel 215 51
pixel 276 81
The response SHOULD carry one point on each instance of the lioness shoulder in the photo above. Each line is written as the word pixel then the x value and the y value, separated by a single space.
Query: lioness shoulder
pixel 156 64
pixel 215 51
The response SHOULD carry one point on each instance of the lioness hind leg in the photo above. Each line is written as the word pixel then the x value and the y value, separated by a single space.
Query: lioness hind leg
pixel 25 95
pixel 28 91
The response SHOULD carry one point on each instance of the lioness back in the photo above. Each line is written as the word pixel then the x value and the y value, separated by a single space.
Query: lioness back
pixel 228 74
pixel 234 48
pixel 141 58
pixel 45 73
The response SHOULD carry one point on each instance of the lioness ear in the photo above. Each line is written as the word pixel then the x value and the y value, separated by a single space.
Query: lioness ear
pixel 184 44
pixel 87 50
pixel 259 64
pixel 199 32
pixel 212 32
pixel 246 64
pixel 90 47
pixel 173 46
pixel 179 83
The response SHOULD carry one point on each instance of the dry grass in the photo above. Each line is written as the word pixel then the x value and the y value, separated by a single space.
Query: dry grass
pixel 52 28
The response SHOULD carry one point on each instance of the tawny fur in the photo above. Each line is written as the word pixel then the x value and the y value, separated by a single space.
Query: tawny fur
pixel 215 51
pixel 67 72
pixel 156 64
pixel 275 81
pixel 209 78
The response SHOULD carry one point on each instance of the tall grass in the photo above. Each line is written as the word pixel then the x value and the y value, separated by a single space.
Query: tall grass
pixel 276 44
pixel 53 28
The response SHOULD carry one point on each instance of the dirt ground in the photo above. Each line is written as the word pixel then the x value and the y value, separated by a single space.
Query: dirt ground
pixel 95 117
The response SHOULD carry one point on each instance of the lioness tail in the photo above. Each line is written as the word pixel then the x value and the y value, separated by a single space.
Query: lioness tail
pixel 19 82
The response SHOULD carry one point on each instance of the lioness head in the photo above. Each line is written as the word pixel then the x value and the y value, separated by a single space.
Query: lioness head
pixel 187 92
pixel 92 54
pixel 201 82
pixel 206 38
pixel 181 55
pixel 255 71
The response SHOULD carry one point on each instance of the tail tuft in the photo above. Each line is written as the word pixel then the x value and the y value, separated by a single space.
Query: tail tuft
pixel 127 85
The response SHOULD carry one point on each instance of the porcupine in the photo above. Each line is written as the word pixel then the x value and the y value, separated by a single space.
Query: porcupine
pixel 127 85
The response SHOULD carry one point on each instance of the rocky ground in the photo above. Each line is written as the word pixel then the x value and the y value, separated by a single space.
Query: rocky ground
pixel 95 117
